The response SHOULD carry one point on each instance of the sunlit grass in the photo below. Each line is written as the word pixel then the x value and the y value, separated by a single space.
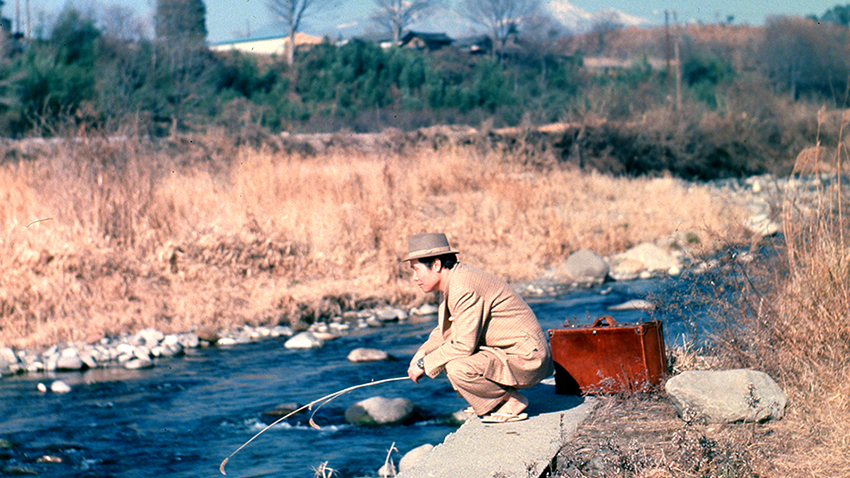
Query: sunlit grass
pixel 201 233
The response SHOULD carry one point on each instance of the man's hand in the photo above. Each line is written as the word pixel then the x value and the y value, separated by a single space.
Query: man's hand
pixel 414 371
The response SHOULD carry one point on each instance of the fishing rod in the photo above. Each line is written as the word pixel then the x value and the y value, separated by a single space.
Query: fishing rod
pixel 324 400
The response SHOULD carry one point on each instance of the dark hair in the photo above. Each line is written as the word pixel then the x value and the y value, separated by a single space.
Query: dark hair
pixel 447 260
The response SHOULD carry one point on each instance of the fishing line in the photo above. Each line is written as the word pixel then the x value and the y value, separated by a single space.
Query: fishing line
pixel 324 400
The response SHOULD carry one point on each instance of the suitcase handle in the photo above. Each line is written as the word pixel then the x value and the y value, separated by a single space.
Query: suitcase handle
pixel 609 321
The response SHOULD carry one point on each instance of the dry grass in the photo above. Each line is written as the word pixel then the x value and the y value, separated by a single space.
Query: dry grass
pixel 798 329
pixel 641 436
pixel 788 317
pixel 199 232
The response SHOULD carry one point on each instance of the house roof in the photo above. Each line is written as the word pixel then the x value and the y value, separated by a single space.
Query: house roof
pixel 426 37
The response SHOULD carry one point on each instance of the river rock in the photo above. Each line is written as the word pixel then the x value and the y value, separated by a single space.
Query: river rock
pixel 586 267
pixel 147 337
pixel 281 331
pixel 367 355
pixel 169 347
pixel 189 341
pixel 380 411
pixel 729 396
pixel 17 470
pixel 8 358
pixel 410 458
pixel 651 257
pixel 304 340
pixel 49 459
pixel 207 334
pixel 762 224
pixel 138 363
pixel 425 310
pixel 59 386
pixel 390 314
pixel 270 416
pixel 635 304
pixel 387 470
pixel 68 360
pixel 226 341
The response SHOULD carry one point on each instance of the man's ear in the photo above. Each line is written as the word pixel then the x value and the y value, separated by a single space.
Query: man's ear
pixel 437 265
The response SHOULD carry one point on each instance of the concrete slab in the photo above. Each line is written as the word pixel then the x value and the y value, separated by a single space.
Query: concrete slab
pixel 508 450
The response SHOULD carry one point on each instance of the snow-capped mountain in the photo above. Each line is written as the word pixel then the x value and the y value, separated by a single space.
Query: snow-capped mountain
pixel 456 25
pixel 578 20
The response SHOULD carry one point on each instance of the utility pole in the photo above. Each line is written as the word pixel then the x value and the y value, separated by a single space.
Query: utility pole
pixel 667 48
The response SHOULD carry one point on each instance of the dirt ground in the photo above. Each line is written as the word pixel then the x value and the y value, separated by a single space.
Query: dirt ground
pixel 642 436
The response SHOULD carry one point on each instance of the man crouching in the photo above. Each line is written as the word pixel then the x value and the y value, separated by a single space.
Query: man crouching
pixel 487 339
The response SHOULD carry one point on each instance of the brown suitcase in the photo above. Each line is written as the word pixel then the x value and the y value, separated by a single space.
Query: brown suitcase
pixel 609 357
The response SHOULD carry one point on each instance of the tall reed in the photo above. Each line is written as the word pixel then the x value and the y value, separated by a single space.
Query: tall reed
pixel 794 323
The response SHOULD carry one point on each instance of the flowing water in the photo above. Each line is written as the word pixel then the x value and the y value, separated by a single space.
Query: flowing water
pixel 183 417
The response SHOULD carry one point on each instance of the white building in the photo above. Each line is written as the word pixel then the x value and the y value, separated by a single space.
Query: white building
pixel 272 45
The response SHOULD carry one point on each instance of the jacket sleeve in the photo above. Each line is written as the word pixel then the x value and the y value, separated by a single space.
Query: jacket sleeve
pixel 468 310
pixel 435 338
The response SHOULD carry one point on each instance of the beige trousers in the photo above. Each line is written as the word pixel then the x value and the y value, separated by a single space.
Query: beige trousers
pixel 467 377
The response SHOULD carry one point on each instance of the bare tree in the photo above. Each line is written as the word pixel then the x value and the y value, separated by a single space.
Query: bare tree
pixel 396 15
pixel 292 13
pixel 501 17
pixel 806 57
pixel 605 24
pixel 121 23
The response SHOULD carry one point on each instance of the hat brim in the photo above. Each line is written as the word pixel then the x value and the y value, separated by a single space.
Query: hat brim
pixel 430 253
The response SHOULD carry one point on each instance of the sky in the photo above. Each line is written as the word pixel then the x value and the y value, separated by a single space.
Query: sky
pixel 231 19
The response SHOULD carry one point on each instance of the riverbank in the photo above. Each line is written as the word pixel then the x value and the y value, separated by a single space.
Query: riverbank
pixel 104 238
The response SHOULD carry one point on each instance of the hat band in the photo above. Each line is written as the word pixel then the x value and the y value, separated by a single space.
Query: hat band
pixel 433 250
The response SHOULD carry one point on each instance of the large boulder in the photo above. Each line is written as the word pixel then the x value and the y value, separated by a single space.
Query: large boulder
pixel 729 396
pixel 380 411
pixel 586 267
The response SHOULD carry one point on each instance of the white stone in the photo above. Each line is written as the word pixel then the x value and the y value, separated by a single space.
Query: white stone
pixel 69 360
pixel 410 458
pixel 7 357
pixel 125 349
pixel 150 337
pixel 425 309
pixel 60 387
pixel 635 304
pixel 304 340
pixel 137 363
pixel 367 355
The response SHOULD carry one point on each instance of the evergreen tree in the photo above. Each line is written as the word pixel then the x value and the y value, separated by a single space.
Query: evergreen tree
pixel 181 23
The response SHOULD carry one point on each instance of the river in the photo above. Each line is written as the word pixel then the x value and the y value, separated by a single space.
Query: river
pixel 184 416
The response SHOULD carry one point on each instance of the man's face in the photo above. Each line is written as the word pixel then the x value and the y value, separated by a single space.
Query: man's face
pixel 427 278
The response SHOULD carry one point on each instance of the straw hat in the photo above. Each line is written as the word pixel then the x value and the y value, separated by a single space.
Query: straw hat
pixel 428 245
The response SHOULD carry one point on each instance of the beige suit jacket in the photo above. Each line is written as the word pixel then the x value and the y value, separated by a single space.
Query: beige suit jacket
pixel 482 313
